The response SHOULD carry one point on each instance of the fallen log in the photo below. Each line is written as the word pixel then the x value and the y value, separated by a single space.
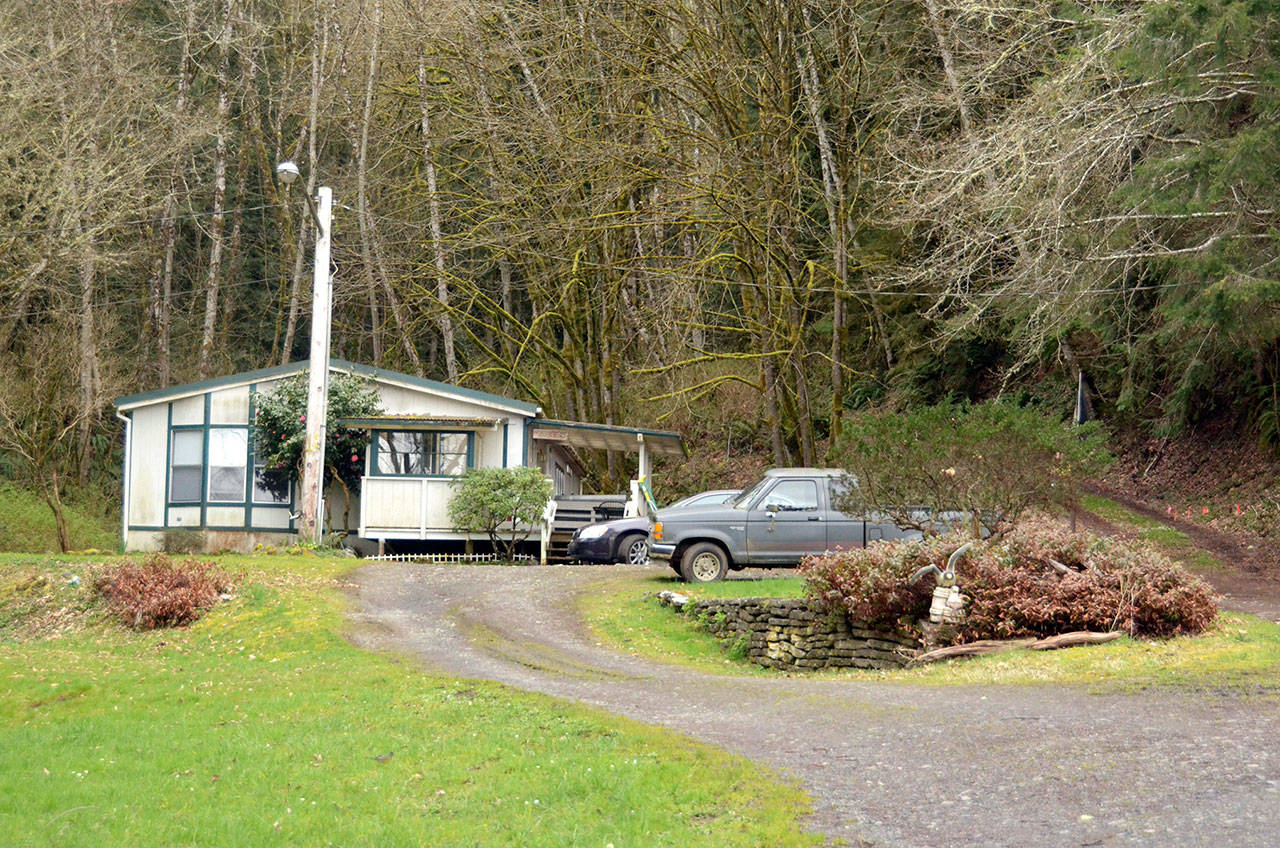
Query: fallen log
pixel 1078 637
pixel 992 646
pixel 972 649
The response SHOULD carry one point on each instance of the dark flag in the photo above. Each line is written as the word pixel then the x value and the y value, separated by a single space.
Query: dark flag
pixel 1083 411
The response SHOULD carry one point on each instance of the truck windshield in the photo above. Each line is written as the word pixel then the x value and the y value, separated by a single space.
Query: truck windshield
pixel 748 494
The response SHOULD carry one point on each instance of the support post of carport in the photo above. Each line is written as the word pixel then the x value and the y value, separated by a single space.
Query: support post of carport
pixel 643 469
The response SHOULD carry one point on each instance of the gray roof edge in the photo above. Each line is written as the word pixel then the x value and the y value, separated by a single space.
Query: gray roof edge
pixel 530 409
pixel 615 428
pixel 245 377
pixel 183 389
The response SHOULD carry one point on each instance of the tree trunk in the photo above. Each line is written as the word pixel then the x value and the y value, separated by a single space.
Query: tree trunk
pixel 319 49
pixel 437 237
pixel 89 374
pixel 948 65
pixel 53 497
pixel 370 250
pixel 18 311
pixel 217 222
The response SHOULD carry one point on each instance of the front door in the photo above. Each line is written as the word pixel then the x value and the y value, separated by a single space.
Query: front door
pixel 785 524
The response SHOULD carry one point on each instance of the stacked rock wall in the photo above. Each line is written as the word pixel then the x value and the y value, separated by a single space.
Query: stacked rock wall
pixel 791 634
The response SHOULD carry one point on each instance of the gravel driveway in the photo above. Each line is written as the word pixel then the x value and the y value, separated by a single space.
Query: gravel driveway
pixel 887 764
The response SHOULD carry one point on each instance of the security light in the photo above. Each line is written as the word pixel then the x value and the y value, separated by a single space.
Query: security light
pixel 287 172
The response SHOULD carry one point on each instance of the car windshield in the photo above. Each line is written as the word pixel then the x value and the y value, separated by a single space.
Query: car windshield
pixel 748 494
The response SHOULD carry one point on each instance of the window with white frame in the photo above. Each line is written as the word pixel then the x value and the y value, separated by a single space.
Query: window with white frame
pixel 228 461
pixel 186 465
pixel 415 452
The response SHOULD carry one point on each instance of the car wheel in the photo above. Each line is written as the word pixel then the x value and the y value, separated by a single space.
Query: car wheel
pixel 704 562
pixel 633 550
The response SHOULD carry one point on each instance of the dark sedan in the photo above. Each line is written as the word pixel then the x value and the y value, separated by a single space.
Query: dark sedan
pixel 620 540
pixel 627 539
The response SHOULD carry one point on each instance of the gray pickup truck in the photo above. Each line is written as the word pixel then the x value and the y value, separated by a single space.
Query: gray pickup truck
pixel 787 515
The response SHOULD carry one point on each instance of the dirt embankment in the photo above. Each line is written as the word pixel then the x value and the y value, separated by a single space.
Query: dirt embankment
pixel 1210 480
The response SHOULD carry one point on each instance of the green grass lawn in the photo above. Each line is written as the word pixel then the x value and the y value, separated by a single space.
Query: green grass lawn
pixel 627 614
pixel 261 725
pixel 1239 654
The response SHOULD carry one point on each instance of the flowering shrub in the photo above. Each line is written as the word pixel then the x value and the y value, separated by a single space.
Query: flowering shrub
pixel 161 593
pixel 1014 591
pixel 280 429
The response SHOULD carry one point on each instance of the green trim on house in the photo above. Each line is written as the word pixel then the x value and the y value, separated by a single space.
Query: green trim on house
pixel 553 424
pixel 663 441
pixel 264 374
pixel 204 503
pixel 148 528
pixel 204 464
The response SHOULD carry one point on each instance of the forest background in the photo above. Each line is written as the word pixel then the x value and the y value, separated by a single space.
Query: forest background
pixel 744 220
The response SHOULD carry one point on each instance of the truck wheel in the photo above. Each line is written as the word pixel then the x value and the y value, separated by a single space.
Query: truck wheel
pixel 633 549
pixel 704 562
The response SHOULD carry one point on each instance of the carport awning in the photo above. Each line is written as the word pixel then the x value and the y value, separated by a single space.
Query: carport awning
pixel 580 434
pixel 417 422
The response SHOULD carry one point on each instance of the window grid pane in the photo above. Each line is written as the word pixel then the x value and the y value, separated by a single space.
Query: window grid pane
pixel 228 457
pixel 263 495
pixel 186 465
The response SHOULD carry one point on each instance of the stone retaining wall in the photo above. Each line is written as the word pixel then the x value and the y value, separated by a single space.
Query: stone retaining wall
pixel 791 634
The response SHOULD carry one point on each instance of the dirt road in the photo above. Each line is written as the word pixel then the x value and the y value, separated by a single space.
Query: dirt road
pixel 887 764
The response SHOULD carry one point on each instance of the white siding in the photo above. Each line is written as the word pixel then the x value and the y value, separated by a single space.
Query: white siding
pixel 229 406
pixel 149 463
pixel 398 508
pixel 270 516
pixel 184 516
pixel 400 401
pixel 224 516
pixel 401 508
pixel 189 410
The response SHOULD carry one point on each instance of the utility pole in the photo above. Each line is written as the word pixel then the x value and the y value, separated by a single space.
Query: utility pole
pixel 311 517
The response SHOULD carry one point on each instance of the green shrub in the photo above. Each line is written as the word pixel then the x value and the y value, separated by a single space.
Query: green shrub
pixel 503 503
pixel 1014 591
pixel 991 460
pixel 181 540
pixel 161 593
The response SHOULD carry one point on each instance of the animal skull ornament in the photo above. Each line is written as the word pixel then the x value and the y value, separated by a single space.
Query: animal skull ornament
pixel 947 606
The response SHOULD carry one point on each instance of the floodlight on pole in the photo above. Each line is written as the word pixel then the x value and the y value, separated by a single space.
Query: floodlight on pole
pixel 287 172
pixel 312 506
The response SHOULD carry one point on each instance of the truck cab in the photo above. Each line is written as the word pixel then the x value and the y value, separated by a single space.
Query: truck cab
pixel 790 513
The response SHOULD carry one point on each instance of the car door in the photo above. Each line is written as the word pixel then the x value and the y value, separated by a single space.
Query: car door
pixel 786 523
pixel 843 531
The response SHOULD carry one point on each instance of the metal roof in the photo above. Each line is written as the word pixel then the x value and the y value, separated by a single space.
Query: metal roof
pixel 262 374
pixel 607 436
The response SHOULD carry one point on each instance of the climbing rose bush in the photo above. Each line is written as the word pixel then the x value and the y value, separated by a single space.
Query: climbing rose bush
pixel 1013 591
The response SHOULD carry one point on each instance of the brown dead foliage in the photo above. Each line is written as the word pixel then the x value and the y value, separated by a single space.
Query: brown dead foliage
pixel 1013 591
pixel 162 593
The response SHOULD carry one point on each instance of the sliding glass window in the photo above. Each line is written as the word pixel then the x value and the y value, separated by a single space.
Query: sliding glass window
pixel 422 453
